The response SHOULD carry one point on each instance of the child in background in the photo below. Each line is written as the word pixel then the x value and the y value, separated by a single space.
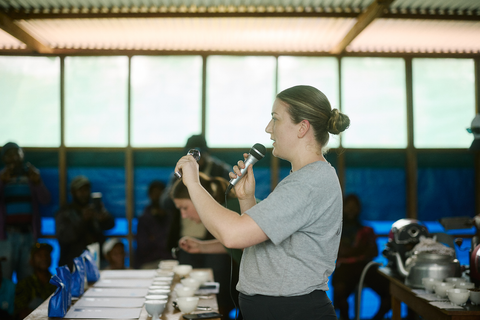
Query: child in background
pixel 114 252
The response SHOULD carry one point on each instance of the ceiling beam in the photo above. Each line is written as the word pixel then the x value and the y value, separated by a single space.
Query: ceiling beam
pixel 174 12
pixel 7 24
pixel 374 11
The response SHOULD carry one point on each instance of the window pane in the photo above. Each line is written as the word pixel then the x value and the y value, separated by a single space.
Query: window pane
pixel 240 94
pixel 373 96
pixel 96 101
pixel 321 73
pixel 443 102
pixel 166 92
pixel 30 101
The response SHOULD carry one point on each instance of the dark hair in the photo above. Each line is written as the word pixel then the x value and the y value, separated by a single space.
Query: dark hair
pixel 156 184
pixel 353 197
pixel 309 103
pixel 215 186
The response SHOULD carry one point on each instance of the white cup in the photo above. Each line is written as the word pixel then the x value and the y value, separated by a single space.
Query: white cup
pixel 454 280
pixel 185 291
pixel 155 308
pixel 442 287
pixel 182 270
pixel 475 296
pixel 156 297
pixel 187 304
pixel 458 297
pixel 428 283
pixel 190 282
pixel 465 285
pixel 201 276
pixel 159 291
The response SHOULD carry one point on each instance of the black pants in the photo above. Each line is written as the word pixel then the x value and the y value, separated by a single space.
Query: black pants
pixel 315 305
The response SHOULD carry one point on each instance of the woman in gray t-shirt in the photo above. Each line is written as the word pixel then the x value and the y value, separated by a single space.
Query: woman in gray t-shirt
pixel 291 238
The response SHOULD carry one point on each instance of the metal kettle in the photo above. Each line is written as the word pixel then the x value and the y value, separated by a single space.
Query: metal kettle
pixel 427 265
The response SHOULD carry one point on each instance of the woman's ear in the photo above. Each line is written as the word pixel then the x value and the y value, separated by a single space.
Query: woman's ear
pixel 303 128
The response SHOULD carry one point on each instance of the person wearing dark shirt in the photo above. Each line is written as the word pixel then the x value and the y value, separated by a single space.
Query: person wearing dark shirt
pixel 21 193
pixel 81 222
pixel 32 291
pixel 152 230
pixel 358 247
pixel 7 295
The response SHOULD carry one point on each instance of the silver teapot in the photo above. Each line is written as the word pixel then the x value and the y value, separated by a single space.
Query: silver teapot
pixel 427 265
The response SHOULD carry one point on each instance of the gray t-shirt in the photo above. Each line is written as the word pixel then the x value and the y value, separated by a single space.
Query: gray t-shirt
pixel 302 218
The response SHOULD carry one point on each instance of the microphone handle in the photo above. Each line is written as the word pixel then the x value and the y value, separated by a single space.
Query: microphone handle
pixel 251 160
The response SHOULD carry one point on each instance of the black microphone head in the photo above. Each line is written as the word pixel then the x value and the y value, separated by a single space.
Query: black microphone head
pixel 258 151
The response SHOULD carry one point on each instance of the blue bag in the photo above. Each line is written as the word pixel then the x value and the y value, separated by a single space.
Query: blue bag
pixel 58 304
pixel 64 274
pixel 91 269
pixel 78 277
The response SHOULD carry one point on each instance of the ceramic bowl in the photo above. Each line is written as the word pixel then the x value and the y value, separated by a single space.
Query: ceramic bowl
pixel 187 304
pixel 185 291
pixel 155 308
pixel 442 287
pixel 475 296
pixel 159 291
pixel 164 273
pixel 465 285
pixel 182 270
pixel 454 280
pixel 156 297
pixel 190 282
pixel 458 297
pixel 201 276
pixel 428 283
pixel 156 283
pixel 163 279
pixel 167 264
pixel 159 288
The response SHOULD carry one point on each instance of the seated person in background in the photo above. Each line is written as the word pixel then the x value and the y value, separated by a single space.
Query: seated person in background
pixel 35 289
pixel 216 257
pixel 7 295
pixel 114 252
pixel 152 230
pixel 21 193
pixel 358 247
pixel 209 165
pixel 81 222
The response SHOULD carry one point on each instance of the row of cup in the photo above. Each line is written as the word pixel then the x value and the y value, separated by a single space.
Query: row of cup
pixel 458 290
pixel 157 296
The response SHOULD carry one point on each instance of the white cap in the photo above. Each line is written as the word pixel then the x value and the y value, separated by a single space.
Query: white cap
pixel 109 244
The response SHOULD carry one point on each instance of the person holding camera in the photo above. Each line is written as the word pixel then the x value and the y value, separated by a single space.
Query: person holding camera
pixel 21 193
pixel 81 222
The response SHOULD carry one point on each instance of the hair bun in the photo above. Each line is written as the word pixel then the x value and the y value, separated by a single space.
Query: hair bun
pixel 338 122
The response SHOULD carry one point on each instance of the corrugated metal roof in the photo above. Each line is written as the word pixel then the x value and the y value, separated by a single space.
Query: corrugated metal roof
pixel 296 26
pixel 424 36
pixel 192 34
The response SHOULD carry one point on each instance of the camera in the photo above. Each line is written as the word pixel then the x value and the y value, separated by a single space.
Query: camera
pixel 96 198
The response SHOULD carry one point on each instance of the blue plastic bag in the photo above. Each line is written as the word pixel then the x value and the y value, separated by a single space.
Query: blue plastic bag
pixel 64 274
pixel 91 269
pixel 78 277
pixel 58 304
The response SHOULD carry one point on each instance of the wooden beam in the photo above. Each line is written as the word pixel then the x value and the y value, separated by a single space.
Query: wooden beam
pixel 7 24
pixel 374 11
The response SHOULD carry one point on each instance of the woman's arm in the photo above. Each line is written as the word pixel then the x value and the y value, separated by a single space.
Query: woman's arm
pixel 232 230
pixel 193 245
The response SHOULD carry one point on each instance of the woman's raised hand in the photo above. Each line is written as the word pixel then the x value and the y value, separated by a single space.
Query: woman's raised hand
pixel 245 187
pixel 189 168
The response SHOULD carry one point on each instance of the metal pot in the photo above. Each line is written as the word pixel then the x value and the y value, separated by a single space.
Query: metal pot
pixel 428 265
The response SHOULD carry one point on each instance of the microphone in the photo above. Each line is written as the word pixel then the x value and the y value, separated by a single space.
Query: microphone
pixel 195 154
pixel 257 152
